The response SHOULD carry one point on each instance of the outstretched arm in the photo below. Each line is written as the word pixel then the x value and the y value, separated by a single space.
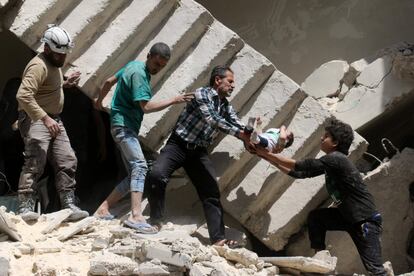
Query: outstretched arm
pixel 276 159
pixel 154 106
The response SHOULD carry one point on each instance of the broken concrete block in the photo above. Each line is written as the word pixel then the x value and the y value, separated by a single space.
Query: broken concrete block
pixel 76 228
pixel 8 227
pixel 5 254
pixel 363 104
pixel 120 232
pixel 304 264
pixel 199 270
pixel 44 268
pixel 192 73
pixel 359 65
pixel 100 243
pixel 166 255
pixel 375 72
pixel 112 264
pixel 49 246
pixel 55 219
pixel 119 42
pixel 240 255
pixel 326 79
pixel 150 269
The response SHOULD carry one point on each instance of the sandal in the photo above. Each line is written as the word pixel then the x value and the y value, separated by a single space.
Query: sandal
pixel 232 244
pixel 141 227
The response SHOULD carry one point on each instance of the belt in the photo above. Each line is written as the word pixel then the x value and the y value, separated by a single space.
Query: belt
pixel 185 144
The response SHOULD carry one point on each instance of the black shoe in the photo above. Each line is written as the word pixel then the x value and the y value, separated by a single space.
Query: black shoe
pixel 67 201
pixel 27 204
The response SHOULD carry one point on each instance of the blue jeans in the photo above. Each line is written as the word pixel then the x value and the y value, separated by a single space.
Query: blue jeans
pixel 134 160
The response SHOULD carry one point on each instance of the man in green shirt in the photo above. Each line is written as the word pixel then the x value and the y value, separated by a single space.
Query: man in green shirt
pixel 132 98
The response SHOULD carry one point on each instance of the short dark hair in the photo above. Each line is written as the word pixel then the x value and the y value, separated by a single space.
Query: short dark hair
pixel 290 140
pixel 219 71
pixel 160 49
pixel 341 133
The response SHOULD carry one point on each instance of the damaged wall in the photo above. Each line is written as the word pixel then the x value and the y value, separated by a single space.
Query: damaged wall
pixel 298 35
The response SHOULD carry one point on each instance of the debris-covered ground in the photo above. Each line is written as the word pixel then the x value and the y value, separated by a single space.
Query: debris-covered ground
pixel 98 247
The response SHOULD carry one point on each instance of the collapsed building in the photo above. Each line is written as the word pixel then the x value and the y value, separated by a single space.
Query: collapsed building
pixel 258 198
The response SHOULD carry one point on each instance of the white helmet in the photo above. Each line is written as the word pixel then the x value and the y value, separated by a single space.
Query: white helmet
pixel 58 39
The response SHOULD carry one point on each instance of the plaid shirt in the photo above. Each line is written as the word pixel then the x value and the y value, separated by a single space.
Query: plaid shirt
pixel 204 116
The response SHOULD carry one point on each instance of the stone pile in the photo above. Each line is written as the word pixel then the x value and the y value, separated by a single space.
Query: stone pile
pixel 361 91
pixel 97 247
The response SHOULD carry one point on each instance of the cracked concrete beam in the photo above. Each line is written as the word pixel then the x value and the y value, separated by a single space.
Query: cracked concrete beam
pixel 33 16
pixel 119 42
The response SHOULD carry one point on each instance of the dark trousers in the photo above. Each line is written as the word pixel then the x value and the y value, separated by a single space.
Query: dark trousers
pixel 177 153
pixel 366 236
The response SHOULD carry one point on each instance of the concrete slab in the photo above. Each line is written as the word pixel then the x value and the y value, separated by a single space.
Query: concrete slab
pixel 120 42
pixel 185 26
pixel 326 79
pixel 375 72
pixel 85 20
pixel 32 17
pixel 217 46
pixel 362 104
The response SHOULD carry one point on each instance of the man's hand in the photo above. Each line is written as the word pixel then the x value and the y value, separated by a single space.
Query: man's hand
pixel 261 151
pixel 51 125
pixel 72 80
pixel 248 145
pixel 186 97
pixel 98 104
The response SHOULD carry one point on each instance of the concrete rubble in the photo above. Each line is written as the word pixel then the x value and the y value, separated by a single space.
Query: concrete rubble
pixel 272 206
pixel 322 262
pixel 370 87
pixel 110 249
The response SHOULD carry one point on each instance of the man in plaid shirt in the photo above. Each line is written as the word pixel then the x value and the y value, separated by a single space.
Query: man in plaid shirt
pixel 199 123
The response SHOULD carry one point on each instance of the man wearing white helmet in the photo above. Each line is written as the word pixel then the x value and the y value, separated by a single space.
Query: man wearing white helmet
pixel 40 98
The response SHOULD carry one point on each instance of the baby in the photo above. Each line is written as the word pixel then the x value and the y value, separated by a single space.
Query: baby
pixel 274 139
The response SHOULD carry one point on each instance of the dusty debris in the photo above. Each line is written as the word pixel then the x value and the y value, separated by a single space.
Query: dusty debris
pixel 322 262
pixel 111 264
pixel 55 219
pixel 76 228
pixel 7 226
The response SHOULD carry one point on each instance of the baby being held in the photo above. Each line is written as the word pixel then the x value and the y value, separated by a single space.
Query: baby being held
pixel 273 139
